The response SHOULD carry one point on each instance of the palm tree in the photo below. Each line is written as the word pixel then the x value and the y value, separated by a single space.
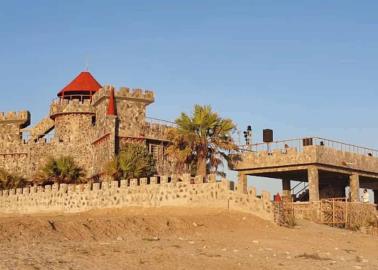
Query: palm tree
pixel 202 139
pixel 60 170
pixel 134 161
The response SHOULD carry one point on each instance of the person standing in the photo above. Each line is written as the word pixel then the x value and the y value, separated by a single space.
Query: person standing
pixel 365 196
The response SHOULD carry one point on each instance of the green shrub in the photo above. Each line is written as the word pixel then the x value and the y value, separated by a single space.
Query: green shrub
pixel 134 161
pixel 11 181
pixel 60 170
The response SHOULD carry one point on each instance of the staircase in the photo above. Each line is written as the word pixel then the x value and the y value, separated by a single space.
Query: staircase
pixel 42 128
pixel 300 192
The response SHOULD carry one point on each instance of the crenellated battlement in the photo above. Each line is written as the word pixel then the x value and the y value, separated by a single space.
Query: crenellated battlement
pixel 136 94
pixel 22 118
pixel 155 131
pixel 176 190
pixel 65 106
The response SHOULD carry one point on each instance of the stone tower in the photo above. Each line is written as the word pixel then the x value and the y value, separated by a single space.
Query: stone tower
pixel 73 112
pixel 89 122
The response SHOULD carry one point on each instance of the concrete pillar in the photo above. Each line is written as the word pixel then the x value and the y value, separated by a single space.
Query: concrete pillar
pixel 313 183
pixel 243 183
pixel 354 186
pixel 286 188
pixel 375 196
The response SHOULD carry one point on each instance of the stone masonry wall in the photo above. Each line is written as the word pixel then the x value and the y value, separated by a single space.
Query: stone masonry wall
pixel 82 129
pixel 310 155
pixel 153 192
pixel 10 125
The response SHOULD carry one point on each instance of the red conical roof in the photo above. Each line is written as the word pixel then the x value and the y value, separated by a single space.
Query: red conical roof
pixel 83 83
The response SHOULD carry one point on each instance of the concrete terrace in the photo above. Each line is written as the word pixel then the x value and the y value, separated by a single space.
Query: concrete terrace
pixel 327 166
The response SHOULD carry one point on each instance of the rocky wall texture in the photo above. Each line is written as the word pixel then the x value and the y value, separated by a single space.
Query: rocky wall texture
pixel 310 155
pixel 82 129
pixel 74 128
pixel 153 192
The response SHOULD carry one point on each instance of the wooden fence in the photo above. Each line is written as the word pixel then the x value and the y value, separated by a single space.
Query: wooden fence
pixel 336 212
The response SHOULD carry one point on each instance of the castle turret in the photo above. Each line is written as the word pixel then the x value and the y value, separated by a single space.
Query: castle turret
pixel 82 87
pixel 73 114
pixel 11 124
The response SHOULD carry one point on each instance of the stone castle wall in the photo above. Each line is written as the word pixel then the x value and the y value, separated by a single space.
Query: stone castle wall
pixel 10 126
pixel 153 192
pixel 81 129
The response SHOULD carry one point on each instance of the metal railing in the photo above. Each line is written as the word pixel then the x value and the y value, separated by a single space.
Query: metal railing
pixel 153 120
pixel 299 145
pixel 299 188
pixel 80 97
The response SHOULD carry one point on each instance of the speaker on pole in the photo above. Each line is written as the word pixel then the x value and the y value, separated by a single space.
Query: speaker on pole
pixel 267 135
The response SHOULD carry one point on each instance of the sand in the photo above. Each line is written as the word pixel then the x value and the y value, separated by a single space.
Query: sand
pixel 177 238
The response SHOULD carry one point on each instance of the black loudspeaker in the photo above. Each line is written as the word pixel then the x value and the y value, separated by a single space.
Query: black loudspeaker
pixel 267 135
pixel 307 142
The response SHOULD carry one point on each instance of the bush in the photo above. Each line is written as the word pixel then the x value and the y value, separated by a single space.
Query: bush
pixel 60 170
pixel 361 215
pixel 11 181
pixel 134 161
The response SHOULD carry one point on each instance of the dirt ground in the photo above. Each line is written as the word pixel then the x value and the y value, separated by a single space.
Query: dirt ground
pixel 177 238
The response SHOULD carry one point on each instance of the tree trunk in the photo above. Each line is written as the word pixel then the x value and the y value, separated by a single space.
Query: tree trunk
pixel 201 166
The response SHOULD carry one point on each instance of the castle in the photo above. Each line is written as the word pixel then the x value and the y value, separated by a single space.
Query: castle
pixel 87 121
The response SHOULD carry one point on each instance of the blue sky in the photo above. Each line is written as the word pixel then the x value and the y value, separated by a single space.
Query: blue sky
pixel 299 67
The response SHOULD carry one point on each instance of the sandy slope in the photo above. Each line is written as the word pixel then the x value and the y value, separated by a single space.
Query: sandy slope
pixel 177 238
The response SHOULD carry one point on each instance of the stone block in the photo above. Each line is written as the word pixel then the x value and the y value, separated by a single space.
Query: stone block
pixel 19 191
pixel 71 188
pixel 186 178
pixel 212 178
pixel 48 188
pixel 87 187
pixel 153 180
pixel 174 179
pixel 133 182
pixel 33 189
pixel 26 190
pixel 198 179
pixel 252 191
pixel 265 195
pixel 55 187
pixel 12 191
pixel 124 183
pixel 63 188
pixel 105 185
pixel 79 188
pixel 164 179
pixel 242 183
pixel 143 181
pixel 96 186
pixel 40 189
pixel 115 184
pixel 226 184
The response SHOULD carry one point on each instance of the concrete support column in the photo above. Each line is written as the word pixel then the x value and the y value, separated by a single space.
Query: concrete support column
pixel 313 183
pixel 375 196
pixel 354 186
pixel 286 188
pixel 243 183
